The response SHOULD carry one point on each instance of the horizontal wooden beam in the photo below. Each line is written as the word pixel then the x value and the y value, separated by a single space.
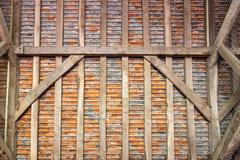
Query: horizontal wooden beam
pixel 91 51
pixel 70 62
pixel 4 46
pixel 230 140
pixel 230 58
pixel 179 84
pixel 226 27
pixel 4 148
pixel 229 105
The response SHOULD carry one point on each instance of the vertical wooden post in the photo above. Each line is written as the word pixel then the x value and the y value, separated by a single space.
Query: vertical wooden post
pixel 58 85
pixel 80 111
pixel 170 114
pixel 190 111
pixel 188 79
pixel 57 114
pixel 212 89
pixel 125 85
pixel 169 85
pixel 11 97
pixel 34 110
pixel 147 101
pixel 81 22
pixel 147 85
pixel 125 23
pixel 103 94
pixel 125 109
pixel 103 79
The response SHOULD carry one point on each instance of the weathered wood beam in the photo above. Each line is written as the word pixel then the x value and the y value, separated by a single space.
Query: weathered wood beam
pixel 202 107
pixel 212 81
pixel 44 85
pixel 147 110
pixel 169 85
pixel 230 140
pixel 212 87
pixel 6 150
pixel 190 110
pixel 234 62
pixel 5 35
pixel 116 51
pixel 189 80
pixel 34 111
pixel 125 109
pixel 229 105
pixel 147 86
pixel 80 112
pixel 58 85
pixel 230 58
pixel 125 23
pixel 226 27
pixel 4 46
pixel 103 107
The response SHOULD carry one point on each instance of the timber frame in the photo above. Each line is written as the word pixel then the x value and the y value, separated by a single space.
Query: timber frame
pixel 219 147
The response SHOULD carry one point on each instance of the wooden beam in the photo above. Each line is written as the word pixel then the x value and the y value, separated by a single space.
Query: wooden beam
pixel 147 86
pixel 226 27
pixel 44 85
pixel 229 105
pixel 103 108
pixel 125 109
pixel 187 23
pixel 80 112
pixel 34 112
pixel 58 114
pixel 81 22
pixel 5 149
pixel 212 87
pixel 190 111
pixel 59 23
pixel 104 23
pixel 58 85
pixel 230 140
pixel 37 21
pixel 125 24
pixel 16 19
pixel 11 104
pixel 4 33
pixel 147 110
pixel 116 51
pixel 183 88
pixel 230 58
pixel 4 46
pixel 212 82
pixel 170 114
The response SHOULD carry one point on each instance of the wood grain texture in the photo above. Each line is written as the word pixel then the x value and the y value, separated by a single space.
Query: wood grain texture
pixel 58 114
pixel 147 110
pixel 34 111
pixel 103 95
pixel 114 51
pixel 80 112
pixel 125 109
pixel 190 110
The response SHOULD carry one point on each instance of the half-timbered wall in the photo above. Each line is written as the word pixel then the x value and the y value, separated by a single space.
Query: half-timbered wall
pixel 117 70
